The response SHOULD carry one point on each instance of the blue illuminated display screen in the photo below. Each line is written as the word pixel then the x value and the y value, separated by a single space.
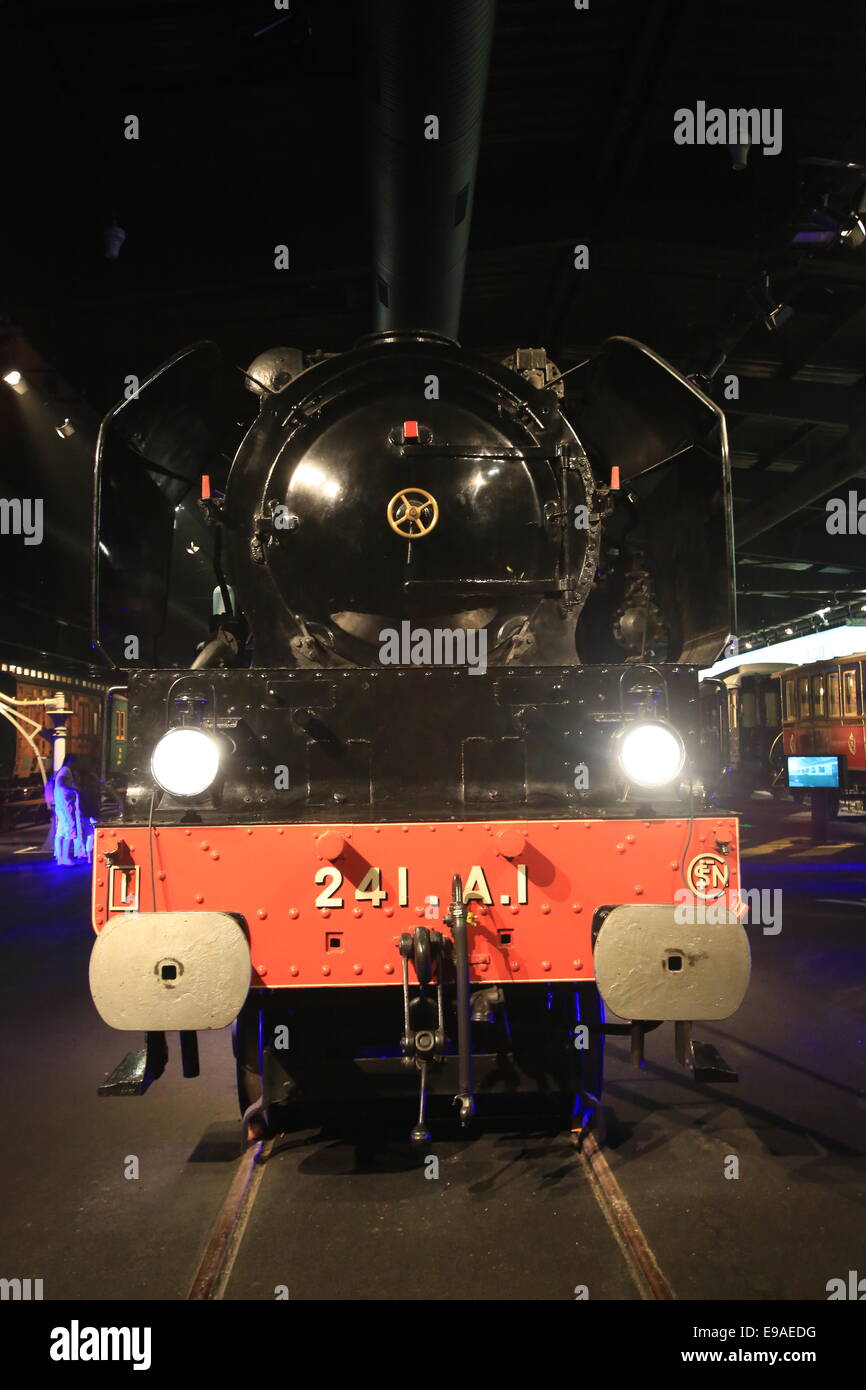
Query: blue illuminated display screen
pixel 813 771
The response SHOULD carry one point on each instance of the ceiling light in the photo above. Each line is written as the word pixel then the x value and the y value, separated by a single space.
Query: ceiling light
pixel 16 381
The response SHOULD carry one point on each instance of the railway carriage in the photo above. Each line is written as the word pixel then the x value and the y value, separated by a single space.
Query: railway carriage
pixel 755 760
pixel 823 714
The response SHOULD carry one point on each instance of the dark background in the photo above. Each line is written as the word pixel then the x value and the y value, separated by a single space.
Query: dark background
pixel 252 135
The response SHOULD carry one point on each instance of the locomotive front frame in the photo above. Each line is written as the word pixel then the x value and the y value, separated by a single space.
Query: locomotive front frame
pixel 553 808
pixel 288 902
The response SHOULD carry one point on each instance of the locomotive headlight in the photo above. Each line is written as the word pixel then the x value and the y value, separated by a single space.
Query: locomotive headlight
pixel 650 754
pixel 185 762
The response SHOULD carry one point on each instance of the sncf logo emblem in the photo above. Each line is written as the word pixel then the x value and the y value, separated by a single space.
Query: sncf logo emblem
pixel 707 875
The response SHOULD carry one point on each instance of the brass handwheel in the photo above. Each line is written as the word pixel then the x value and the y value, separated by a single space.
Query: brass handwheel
pixel 405 513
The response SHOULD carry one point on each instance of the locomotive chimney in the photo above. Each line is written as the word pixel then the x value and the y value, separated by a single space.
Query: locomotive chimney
pixel 427 71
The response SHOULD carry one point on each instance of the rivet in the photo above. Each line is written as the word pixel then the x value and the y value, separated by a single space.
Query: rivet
pixel 576 907
pixel 419 912
pixel 389 969
pixel 556 827
pixel 161 874
pixel 629 839
pixel 405 830
pixel 578 964
pixel 262 913
pixel 357 912
pixel 675 864
pixel 100 883
pixel 358 969
pixel 330 845
pixel 187 832
pixel 293 912
pixel 545 965
pixel 620 849
pixel 204 845
pixel 280 830
pixel 156 833
pixel 249 830
pixel 389 912
pixel 510 843
pixel 459 827
pixel 326 911
pixel 261 969
pixel 214 854
pixel 293 970
pixel 515 910
pixel 638 888
pixel 515 965
pixel 545 907
pixel 199 898
pixel 326 969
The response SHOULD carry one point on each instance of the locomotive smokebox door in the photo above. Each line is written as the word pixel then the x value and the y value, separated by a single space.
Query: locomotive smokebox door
pixel 650 966
pixel 167 971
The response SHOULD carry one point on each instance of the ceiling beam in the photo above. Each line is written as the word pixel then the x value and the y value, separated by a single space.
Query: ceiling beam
pixel 810 484
pixel 807 545
pixel 811 402
pixel 778 451
pixel 788 590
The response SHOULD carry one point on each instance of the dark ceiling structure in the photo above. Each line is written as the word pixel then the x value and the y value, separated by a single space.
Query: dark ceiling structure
pixel 250 136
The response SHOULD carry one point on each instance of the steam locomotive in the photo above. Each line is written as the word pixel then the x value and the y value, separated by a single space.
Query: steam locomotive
pixel 439 784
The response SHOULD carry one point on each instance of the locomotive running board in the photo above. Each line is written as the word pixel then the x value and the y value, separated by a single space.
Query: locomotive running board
pixel 138 1070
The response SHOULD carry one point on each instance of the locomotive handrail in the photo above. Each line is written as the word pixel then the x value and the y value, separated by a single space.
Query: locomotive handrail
pixel 644 666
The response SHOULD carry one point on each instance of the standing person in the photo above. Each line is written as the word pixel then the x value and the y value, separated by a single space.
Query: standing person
pixel 67 828
pixel 89 789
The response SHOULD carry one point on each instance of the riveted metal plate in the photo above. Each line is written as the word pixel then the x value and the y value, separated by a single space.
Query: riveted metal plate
pixel 317 921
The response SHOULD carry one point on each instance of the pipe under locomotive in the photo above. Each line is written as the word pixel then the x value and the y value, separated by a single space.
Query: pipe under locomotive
pixel 401 822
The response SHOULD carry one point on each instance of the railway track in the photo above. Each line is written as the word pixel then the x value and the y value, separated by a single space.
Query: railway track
pixel 305 1218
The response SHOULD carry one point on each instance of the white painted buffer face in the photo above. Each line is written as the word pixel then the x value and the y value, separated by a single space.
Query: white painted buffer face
pixel 170 971
pixel 649 966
